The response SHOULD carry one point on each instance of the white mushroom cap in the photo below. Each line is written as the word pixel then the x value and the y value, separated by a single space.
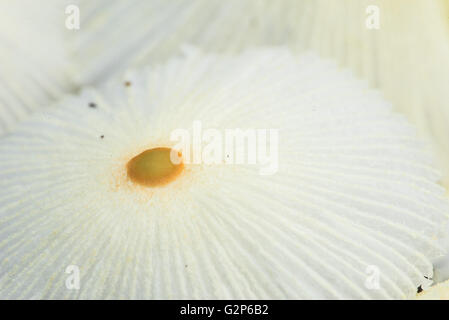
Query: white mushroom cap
pixel 355 191
pixel 35 68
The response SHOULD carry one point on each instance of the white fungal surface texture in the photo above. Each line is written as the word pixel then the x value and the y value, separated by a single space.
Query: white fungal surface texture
pixel 35 69
pixel 353 211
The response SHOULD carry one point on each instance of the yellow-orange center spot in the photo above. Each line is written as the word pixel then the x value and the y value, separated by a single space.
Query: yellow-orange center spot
pixel 154 167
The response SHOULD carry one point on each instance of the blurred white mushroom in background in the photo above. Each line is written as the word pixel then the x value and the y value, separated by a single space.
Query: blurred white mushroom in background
pixel 35 66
